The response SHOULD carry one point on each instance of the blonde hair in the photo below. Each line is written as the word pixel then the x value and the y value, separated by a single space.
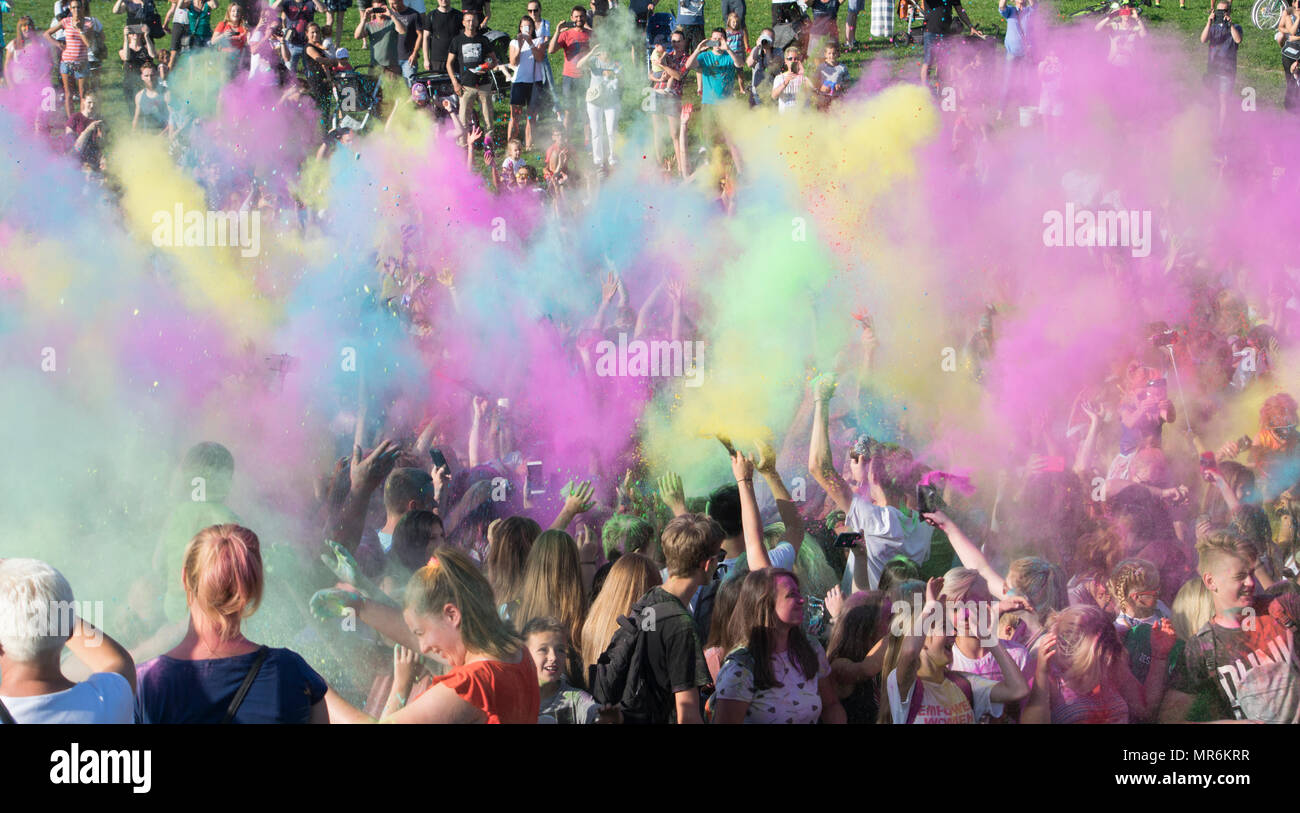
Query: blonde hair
pixel 451 578
pixel 223 576
pixel 689 541
pixel 1086 645
pixel 1216 547
pixel 903 593
pixel 1130 575
pixel 1039 581
pixel 1192 609
pixel 552 583
pixel 630 578
pixel 960 581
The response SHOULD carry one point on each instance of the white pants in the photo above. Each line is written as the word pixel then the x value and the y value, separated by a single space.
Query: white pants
pixel 604 123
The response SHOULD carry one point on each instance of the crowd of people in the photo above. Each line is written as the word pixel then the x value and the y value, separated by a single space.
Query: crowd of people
pixel 687 74
pixel 1128 585
pixel 1136 563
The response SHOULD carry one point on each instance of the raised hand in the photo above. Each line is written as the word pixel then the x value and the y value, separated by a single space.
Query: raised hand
pixel 341 563
pixel 672 493
pixel 1163 638
pixel 834 601
pixel 333 602
pixel 609 288
pixel 674 288
pixel 368 472
pixel 765 463
pixel 405 665
pixel 824 386
pixel 1047 653
pixel 742 467
pixel 578 496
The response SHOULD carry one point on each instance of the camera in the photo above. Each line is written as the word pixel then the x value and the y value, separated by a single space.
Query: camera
pixel 928 499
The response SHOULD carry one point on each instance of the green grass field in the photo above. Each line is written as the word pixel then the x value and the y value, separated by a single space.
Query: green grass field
pixel 1259 65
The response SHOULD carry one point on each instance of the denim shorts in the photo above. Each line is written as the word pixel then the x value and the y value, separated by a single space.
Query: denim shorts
pixel 930 44
pixel 77 70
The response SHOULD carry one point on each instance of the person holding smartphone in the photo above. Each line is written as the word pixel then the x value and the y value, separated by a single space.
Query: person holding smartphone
pixel 1222 37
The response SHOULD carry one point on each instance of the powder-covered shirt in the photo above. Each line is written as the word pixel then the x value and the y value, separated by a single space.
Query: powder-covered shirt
pixel 987 666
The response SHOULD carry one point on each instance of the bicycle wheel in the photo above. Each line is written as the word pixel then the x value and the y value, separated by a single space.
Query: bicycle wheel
pixel 1266 13
pixel 1100 8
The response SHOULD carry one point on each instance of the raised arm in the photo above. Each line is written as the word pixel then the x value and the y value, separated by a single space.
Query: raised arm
pixel 1013 687
pixel 1037 710
pixel 970 555
pixel 1083 459
pixel 99 652
pixel 690 61
pixel 819 451
pixel 790 516
pixel 577 500
pixel 742 468
pixel 672 493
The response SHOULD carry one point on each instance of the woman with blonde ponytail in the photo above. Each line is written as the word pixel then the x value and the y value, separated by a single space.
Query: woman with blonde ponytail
pixel 200 680
pixel 450 615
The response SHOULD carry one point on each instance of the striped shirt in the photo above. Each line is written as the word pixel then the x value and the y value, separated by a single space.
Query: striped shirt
pixel 74 47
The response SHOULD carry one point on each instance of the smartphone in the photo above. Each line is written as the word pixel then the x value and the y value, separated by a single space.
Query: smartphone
pixel 848 539
pixel 533 481
pixel 927 499
pixel 439 459
pixel 138 28
pixel 503 403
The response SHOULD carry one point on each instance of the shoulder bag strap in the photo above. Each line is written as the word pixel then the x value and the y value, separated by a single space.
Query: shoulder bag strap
pixel 238 699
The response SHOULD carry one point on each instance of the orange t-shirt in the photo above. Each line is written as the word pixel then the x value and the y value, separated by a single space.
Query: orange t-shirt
pixel 506 692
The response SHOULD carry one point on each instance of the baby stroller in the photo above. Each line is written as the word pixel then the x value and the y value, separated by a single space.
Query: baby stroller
pixel 440 90
pixel 911 15
pixel 354 99
pixel 658 31
pixel 791 33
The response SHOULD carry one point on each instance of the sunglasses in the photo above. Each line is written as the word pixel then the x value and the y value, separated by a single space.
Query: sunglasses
pixel 1144 594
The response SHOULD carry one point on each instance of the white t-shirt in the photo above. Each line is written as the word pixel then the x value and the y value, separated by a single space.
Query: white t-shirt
pixel 782 556
pixel 528 69
pixel 888 533
pixel 987 666
pixel 105 697
pixel 943 704
pixel 796 700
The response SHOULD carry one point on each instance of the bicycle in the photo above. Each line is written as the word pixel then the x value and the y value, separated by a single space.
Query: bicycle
pixel 1265 14
pixel 1107 7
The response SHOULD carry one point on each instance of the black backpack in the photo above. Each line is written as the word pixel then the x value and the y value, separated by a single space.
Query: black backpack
pixel 625 673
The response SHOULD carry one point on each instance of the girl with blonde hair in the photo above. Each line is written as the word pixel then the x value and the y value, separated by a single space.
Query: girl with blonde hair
pixel 630 578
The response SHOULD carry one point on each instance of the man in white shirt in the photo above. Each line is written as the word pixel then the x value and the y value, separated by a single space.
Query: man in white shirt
pixel 37 618
pixel 886 530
